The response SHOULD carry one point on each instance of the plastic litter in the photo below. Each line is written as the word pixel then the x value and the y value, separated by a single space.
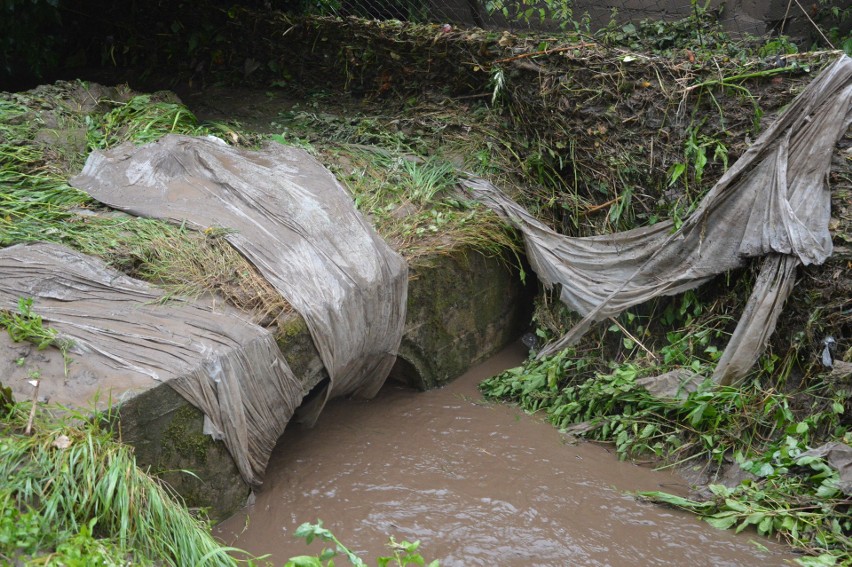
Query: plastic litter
pixel 213 356
pixel 773 202
pixel 290 217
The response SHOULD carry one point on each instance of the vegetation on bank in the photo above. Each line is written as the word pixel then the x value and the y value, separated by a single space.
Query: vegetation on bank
pixel 403 553
pixel 761 430
pixel 595 136
pixel 72 495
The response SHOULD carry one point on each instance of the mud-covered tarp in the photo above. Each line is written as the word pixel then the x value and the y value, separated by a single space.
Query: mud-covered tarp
pixel 773 202
pixel 213 356
pixel 291 218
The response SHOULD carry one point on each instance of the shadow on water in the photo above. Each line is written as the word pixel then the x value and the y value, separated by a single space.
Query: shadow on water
pixel 478 484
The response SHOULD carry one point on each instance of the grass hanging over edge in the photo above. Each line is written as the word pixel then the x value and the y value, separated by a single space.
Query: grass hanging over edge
pixel 71 491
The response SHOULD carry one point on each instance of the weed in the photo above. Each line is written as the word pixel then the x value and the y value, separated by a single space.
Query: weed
pixel 794 495
pixel 404 552
pixel 28 326
pixel 528 11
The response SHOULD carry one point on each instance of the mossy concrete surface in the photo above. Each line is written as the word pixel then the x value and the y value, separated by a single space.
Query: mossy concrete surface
pixel 461 309
pixel 166 432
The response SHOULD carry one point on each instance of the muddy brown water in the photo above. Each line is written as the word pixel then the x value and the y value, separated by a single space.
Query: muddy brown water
pixel 478 484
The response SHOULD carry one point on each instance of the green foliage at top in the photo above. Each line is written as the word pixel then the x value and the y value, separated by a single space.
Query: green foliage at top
pixel 559 12
pixel 700 30
pixel 404 553
pixel 71 495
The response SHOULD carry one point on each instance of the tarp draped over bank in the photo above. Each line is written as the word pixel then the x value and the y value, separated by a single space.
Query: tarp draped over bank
pixel 290 217
pixel 214 357
pixel 774 202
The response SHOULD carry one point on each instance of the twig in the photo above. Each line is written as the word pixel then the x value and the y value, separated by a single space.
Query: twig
pixel 545 52
pixel 805 12
pixel 726 81
pixel 634 339
pixel 29 427
pixel 591 210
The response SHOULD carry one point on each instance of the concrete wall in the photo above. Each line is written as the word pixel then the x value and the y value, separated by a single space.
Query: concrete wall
pixel 461 309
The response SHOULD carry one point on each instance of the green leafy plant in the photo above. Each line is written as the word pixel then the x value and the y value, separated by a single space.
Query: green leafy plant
pixel 696 151
pixel 761 428
pixel 700 30
pixel 28 326
pixel 403 553
pixel 793 495
pixel 529 11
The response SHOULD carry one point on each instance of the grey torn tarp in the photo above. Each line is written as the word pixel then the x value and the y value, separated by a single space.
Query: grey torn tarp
pixel 839 457
pixel 290 217
pixel 774 202
pixel 213 357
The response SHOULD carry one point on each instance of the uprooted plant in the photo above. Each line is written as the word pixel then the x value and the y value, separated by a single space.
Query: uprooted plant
pixel 25 325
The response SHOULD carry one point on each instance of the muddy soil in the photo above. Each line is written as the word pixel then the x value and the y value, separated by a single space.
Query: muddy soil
pixel 478 484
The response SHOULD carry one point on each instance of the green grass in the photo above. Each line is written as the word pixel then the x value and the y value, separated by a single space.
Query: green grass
pixel 72 495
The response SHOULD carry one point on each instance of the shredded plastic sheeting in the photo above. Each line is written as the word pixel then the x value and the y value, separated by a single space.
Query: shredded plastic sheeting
pixel 839 457
pixel 774 202
pixel 220 362
pixel 290 217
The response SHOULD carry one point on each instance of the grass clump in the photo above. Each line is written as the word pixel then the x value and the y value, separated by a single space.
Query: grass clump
pixel 72 495
pixel 403 173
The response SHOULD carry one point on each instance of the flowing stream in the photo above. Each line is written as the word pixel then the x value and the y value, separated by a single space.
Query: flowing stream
pixel 478 484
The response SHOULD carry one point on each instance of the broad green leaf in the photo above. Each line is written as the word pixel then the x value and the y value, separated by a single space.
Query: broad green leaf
pixel 824 560
pixel 303 561
pixel 720 490
pixel 736 505
pixel 722 523
pixel 765 526
pixel 675 171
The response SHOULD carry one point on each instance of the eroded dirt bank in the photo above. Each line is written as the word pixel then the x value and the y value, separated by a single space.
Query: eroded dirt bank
pixel 478 484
